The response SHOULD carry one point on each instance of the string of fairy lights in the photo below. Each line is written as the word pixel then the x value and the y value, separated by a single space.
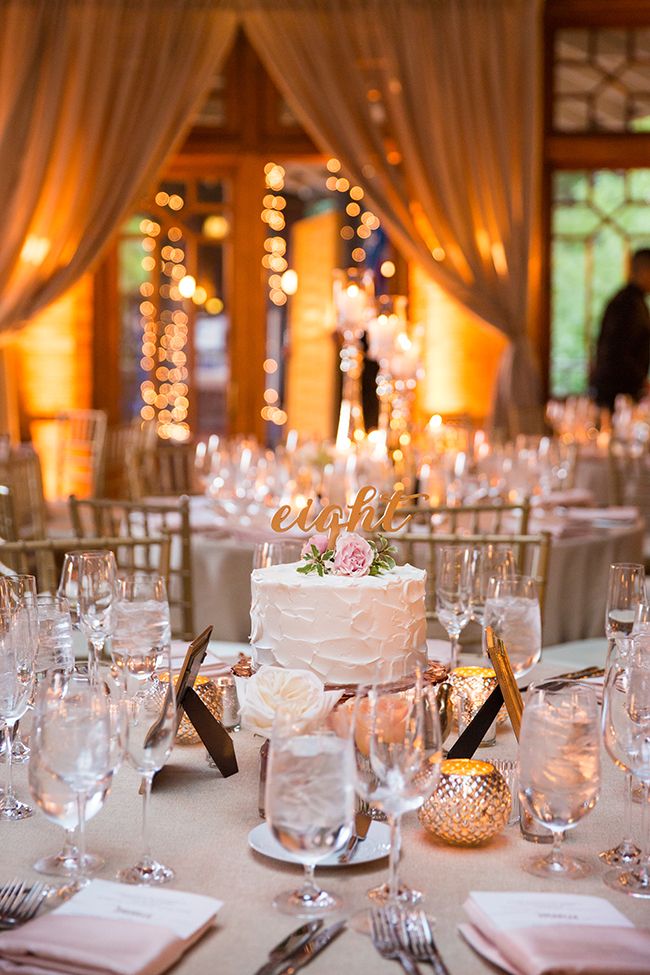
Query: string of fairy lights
pixel 282 281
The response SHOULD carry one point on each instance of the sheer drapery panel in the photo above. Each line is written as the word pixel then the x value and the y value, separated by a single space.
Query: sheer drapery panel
pixel 94 96
pixel 432 106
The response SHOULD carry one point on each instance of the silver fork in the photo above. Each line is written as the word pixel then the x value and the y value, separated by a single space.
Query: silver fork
pixel 386 940
pixel 21 904
pixel 416 933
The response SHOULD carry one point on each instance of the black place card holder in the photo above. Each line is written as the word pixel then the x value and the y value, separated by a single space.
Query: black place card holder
pixel 478 727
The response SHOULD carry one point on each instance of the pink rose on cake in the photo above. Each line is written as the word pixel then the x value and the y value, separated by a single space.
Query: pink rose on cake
pixel 353 556
pixel 319 540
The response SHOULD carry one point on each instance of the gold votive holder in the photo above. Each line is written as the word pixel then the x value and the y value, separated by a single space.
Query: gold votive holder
pixel 471 804
pixel 208 692
pixel 470 689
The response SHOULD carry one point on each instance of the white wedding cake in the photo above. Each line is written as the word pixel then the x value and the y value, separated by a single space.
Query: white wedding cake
pixel 346 629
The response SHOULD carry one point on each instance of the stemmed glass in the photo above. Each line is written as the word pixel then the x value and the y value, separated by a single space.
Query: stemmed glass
pixel 97 585
pixel 453 593
pixel 141 621
pixel 69 585
pixel 75 756
pixel 559 766
pixel 276 553
pixel 149 728
pixel 489 561
pixel 398 752
pixel 17 653
pixel 625 593
pixel 19 593
pixel 512 610
pixel 309 803
pixel 55 651
pixel 626 733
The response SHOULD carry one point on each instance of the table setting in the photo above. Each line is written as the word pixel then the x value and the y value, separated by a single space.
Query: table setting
pixel 409 858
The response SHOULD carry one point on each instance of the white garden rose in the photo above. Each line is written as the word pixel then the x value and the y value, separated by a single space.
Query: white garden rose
pixel 273 687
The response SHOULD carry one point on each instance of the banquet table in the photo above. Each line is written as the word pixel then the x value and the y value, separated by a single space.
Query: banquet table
pixel 575 595
pixel 200 822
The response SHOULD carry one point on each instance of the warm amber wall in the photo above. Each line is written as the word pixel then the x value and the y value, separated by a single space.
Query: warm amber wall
pixel 461 352
pixel 54 368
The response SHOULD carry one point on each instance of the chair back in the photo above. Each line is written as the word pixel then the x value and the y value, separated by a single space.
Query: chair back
pixel 133 519
pixel 20 471
pixel 476 519
pixel 43 556
pixel 8 532
pixel 80 441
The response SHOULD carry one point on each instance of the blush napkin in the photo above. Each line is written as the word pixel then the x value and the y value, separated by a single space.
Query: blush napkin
pixel 540 934
pixel 109 929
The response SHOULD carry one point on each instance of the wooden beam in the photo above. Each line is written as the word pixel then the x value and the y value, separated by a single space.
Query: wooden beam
pixel 596 150
pixel 597 13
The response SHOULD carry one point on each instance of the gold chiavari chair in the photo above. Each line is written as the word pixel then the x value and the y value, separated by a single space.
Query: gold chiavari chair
pixel 169 470
pixel 42 556
pixel 493 517
pixel 132 519
pixel 421 549
pixel 20 471
pixel 8 532
pixel 80 441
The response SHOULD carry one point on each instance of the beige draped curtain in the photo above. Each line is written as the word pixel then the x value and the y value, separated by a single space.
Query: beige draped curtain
pixel 432 106
pixel 94 95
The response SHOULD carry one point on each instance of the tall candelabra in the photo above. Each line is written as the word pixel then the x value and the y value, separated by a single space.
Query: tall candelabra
pixel 383 330
pixel 353 302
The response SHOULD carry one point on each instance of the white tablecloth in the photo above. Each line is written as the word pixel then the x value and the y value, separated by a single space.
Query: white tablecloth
pixel 200 822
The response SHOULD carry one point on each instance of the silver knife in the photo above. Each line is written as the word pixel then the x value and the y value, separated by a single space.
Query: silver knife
pixel 312 948
pixel 286 947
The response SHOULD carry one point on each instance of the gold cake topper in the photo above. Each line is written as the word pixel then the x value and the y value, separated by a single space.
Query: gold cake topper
pixel 332 518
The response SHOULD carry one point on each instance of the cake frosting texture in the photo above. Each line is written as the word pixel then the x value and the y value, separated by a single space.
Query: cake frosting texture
pixel 346 630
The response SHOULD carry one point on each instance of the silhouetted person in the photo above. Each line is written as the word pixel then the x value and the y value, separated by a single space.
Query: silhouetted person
pixel 623 350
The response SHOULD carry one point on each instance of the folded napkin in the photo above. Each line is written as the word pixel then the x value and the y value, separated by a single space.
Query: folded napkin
pixel 569 496
pixel 109 929
pixel 613 513
pixel 540 934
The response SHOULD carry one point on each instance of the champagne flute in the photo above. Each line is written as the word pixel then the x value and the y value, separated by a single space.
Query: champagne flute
pixel 19 593
pixel 625 593
pixel 626 734
pixel 512 610
pixel 97 586
pixel 17 653
pixel 73 740
pixel 453 593
pixel 398 752
pixel 149 728
pixel 559 766
pixel 309 803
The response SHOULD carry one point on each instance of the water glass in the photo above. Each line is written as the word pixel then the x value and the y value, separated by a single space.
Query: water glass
pixel 72 741
pixel 512 610
pixel 69 585
pixel 559 766
pixel 625 595
pixel 267 554
pixel 626 734
pixel 97 586
pixel 149 728
pixel 55 652
pixel 18 593
pixel 489 562
pixel 17 655
pixel 453 592
pixel 141 621
pixel 398 752
pixel 309 803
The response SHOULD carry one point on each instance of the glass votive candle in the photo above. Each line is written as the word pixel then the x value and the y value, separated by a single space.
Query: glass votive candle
pixel 470 805
pixel 471 687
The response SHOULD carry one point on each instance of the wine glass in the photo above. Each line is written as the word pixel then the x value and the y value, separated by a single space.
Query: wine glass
pixel 398 752
pixel 559 766
pixel 626 734
pixel 69 585
pixel 97 585
pixel 141 621
pixel 309 803
pixel 149 728
pixel 17 653
pixel 73 742
pixel 512 610
pixel 276 553
pixel 453 593
pixel 19 593
pixel 489 561
pixel 55 652
pixel 625 593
